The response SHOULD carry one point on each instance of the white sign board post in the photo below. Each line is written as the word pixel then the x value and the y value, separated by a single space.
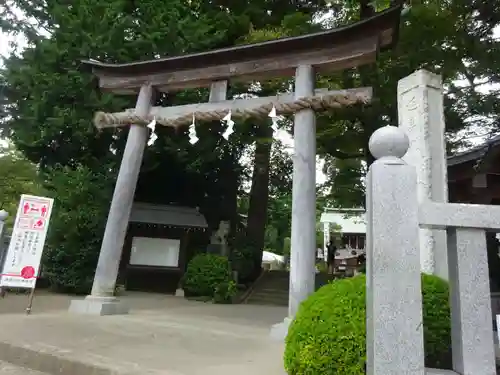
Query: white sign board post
pixel 22 262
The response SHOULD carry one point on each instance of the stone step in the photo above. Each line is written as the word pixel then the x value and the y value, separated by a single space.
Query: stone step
pixel 265 302
pixel 270 294
pixel 264 286
pixel 268 299
pixel 273 284
pixel 281 283
pixel 275 292
pixel 276 280
pixel 271 290
pixel 277 275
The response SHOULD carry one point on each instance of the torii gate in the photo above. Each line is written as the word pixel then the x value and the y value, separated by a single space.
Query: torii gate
pixel 322 52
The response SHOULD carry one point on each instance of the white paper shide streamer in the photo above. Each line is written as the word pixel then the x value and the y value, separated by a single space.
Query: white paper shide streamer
pixel 230 126
pixel 226 120
pixel 274 119
pixel 192 132
pixel 153 137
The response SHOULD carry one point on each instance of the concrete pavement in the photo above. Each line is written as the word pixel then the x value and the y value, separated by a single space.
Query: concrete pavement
pixel 9 369
pixel 162 335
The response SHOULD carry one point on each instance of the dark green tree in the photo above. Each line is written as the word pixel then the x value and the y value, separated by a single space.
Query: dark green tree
pixel 48 102
pixel 76 226
pixel 51 102
pixel 19 176
pixel 452 38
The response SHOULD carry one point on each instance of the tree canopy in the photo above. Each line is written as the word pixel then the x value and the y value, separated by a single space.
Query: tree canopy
pixel 453 38
pixel 19 176
pixel 50 101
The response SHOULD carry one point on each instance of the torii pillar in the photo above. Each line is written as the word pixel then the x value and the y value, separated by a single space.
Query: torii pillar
pixel 102 301
pixel 303 246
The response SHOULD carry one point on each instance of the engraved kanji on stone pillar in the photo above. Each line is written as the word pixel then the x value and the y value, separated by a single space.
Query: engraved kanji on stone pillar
pixel 421 117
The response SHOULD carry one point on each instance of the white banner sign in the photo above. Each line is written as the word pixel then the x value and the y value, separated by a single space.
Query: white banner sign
pixel 22 261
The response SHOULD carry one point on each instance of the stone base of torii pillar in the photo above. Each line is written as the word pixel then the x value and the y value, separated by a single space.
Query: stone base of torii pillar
pixel 94 305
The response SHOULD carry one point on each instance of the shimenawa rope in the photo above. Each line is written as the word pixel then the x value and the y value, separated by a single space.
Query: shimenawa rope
pixel 318 103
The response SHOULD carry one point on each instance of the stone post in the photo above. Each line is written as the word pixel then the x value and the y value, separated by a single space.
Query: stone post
pixel 421 117
pixel 471 317
pixel 326 240
pixel 393 295
pixel 102 300
pixel 303 241
pixel 3 249
pixel 3 216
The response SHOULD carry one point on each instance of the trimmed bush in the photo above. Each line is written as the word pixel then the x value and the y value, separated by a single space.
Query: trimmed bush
pixel 437 325
pixel 209 275
pixel 327 336
pixel 224 292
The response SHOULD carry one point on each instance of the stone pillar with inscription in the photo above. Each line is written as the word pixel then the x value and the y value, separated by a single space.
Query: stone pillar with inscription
pixel 421 117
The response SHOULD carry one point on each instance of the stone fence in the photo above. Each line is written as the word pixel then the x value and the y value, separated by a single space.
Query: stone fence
pixel 394 300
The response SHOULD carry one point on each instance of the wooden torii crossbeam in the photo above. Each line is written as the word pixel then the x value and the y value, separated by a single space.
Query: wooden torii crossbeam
pixel 326 51
pixel 302 56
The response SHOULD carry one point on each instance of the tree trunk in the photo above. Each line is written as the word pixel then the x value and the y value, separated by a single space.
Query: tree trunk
pixel 259 196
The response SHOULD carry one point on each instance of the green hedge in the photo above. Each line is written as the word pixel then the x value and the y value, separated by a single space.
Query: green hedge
pixel 209 275
pixel 327 336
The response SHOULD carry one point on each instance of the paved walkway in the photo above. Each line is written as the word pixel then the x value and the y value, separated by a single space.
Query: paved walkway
pixel 8 369
pixel 162 335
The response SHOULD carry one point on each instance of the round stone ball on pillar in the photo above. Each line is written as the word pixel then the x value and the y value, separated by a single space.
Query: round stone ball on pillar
pixel 3 215
pixel 389 142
